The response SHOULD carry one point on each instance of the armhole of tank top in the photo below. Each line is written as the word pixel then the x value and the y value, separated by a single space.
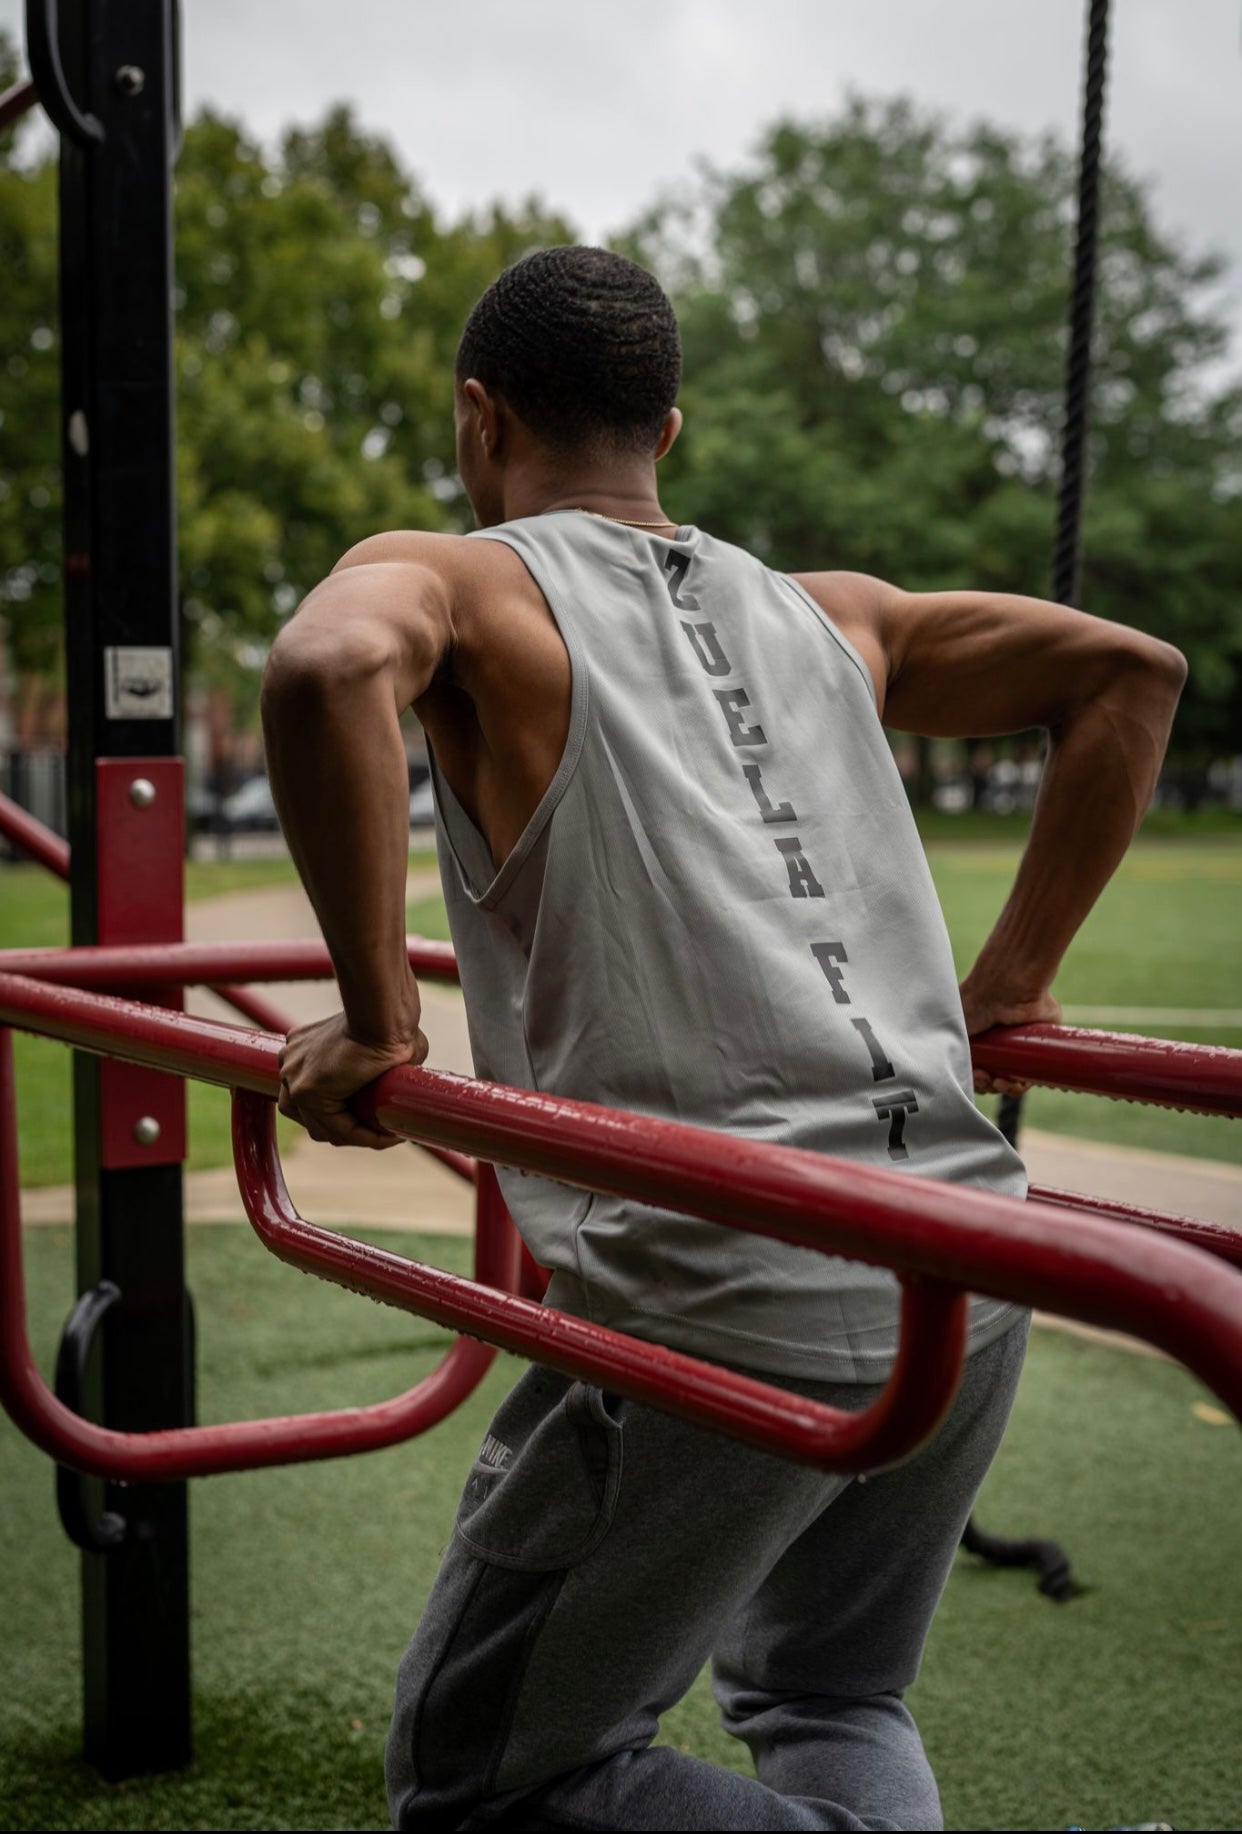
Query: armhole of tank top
pixel 452 812
pixel 839 638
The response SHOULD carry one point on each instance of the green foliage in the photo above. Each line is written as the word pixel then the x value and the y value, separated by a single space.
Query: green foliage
pixel 874 321
pixel 29 399
pixel 319 302
pixel 874 316
pixel 319 308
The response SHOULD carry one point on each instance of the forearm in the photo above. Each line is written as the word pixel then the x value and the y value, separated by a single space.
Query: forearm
pixel 1098 781
pixel 338 774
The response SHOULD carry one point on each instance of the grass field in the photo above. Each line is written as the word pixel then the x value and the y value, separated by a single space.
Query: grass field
pixel 1167 933
pixel 34 913
pixel 1120 1706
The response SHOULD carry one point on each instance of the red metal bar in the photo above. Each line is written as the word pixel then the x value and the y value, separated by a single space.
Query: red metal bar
pixel 464 1164
pixel 1206 1078
pixel 1200 1078
pixel 238 1446
pixel 16 102
pixel 25 830
pixel 204 964
pixel 255 1007
pixel 1217 1238
pixel 1138 1281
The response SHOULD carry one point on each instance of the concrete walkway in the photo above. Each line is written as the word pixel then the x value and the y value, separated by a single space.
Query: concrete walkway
pixel 404 1188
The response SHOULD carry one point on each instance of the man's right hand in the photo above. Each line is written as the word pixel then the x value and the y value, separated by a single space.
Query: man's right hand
pixel 985 1004
pixel 323 1065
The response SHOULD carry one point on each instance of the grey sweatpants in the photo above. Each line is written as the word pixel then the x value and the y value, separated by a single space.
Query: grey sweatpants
pixel 604 1552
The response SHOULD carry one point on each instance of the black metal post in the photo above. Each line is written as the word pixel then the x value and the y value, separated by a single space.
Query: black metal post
pixel 1067 545
pixel 105 73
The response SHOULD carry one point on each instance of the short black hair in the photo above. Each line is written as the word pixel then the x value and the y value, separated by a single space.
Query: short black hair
pixel 583 345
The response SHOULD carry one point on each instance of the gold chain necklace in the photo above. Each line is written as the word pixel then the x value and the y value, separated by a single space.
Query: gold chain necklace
pixel 626 522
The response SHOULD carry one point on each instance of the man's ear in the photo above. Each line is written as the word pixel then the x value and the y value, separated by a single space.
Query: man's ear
pixel 491 417
pixel 668 432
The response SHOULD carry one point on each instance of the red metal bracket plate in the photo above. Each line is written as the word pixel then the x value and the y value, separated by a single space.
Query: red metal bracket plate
pixel 140 816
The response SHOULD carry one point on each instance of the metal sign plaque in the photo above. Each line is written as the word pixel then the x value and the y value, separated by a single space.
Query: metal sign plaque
pixel 138 683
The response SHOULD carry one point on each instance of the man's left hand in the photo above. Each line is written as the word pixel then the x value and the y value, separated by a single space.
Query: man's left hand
pixel 322 1066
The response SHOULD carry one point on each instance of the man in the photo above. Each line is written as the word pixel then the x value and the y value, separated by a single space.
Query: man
pixel 682 878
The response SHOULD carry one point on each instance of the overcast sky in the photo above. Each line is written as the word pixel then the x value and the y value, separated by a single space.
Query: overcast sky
pixel 598 109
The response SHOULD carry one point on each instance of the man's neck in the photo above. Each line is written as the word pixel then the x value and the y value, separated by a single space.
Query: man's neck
pixel 621 494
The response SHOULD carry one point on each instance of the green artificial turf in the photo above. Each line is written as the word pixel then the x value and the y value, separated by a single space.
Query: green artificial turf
pixel 1120 1706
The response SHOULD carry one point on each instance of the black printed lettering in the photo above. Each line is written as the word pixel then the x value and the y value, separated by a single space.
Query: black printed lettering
pixel 677 566
pixel 731 699
pixel 706 646
pixel 802 881
pixel 828 954
pixel 881 1068
pixel 894 1108
pixel 770 811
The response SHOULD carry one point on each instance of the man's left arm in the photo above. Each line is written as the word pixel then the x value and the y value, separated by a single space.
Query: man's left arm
pixel 363 645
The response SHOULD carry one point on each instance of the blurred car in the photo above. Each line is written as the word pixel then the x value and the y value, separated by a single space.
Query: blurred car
pixel 250 810
pixel 202 810
pixel 422 805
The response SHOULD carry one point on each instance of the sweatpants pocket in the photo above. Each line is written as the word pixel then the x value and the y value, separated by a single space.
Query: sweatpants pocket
pixel 543 1489
pixel 458 1718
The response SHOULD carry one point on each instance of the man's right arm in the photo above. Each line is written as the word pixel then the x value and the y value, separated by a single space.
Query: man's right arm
pixel 970 664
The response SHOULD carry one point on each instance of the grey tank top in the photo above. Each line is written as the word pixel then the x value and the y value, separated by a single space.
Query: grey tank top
pixel 720 913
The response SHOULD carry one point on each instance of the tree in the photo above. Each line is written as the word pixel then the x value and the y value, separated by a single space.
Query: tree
pixel 874 327
pixel 29 397
pixel 318 306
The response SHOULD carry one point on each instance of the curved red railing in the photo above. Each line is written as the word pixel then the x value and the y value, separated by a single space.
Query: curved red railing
pixel 1173 1293
pixel 238 1445
pixel 916 1398
pixel 939 1242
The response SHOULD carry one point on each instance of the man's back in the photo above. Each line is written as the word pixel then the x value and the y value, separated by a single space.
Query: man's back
pixel 718 912
pixel 681 876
